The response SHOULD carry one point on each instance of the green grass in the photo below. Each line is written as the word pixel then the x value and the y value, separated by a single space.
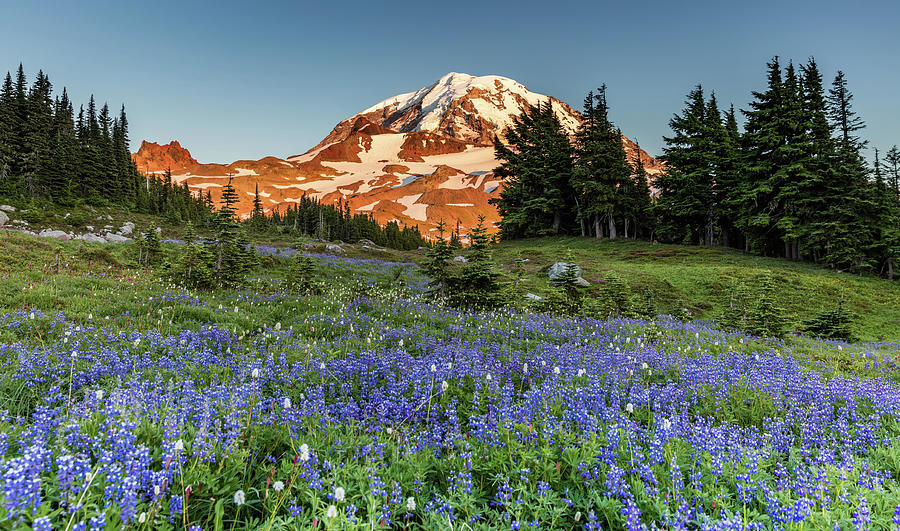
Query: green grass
pixel 698 279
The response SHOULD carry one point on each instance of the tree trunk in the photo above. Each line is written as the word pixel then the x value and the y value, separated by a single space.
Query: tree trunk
pixel 890 264
pixel 626 228
pixel 611 221
pixel 557 220
pixel 597 232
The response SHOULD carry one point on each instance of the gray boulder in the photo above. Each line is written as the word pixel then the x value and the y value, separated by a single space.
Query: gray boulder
pixel 460 260
pixel 89 237
pixel 50 233
pixel 559 269
pixel 126 229
pixel 4 219
pixel 7 208
pixel 533 297
pixel 116 238
pixel 582 282
pixel 334 248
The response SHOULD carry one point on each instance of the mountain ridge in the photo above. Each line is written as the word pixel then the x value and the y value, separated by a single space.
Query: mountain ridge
pixel 416 158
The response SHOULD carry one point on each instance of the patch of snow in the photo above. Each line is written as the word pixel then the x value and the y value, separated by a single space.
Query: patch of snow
pixel 413 209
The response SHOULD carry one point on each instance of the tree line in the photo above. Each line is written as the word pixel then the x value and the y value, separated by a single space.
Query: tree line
pixel 49 153
pixel 334 222
pixel 791 182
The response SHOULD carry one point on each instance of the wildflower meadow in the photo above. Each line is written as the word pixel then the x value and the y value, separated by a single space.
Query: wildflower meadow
pixel 366 406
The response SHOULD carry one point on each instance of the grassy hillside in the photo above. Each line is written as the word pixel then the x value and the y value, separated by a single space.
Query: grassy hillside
pixel 697 279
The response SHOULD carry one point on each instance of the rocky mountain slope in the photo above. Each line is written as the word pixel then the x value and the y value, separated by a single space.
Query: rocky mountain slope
pixel 415 158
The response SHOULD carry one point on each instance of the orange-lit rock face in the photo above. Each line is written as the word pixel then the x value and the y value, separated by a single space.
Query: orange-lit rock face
pixel 416 158
pixel 153 157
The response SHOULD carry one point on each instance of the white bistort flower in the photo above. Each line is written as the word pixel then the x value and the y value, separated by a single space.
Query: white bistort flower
pixel 339 494
pixel 255 373
pixel 444 386
pixel 332 512
pixel 287 402
pixel 240 497
pixel 629 408
pixel 410 504
pixel 304 452
pixel 278 486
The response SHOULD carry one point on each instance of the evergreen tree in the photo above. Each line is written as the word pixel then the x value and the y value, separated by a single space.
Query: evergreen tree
pixel 569 287
pixel 766 317
pixel 193 268
pixel 892 163
pixel 602 179
pixel 477 284
pixel 637 203
pixel 685 207
pixel 302 275
pixel 536 168
pixel 437 266
pixel 833 323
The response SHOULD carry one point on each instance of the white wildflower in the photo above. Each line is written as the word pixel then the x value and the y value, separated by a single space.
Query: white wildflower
pixel 339 494
pixel 433 367
pixel 525 368
pixel 629 408
pixel 156 490
pixel 255 373
pixel 99 394
pixel 332 512
pixel 278 486
pixel 142 518
pixel 578 516
pixel 445 386
pixel 410 504
pixel 644 366
pixel 179 445
pixel 667 424
pixel 287 402
pixel 304 452
pixel 488 377
pixel 556 370
pixel 240 497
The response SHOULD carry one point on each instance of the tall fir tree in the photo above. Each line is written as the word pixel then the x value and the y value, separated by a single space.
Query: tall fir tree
pixel 602 176
pixel 536 166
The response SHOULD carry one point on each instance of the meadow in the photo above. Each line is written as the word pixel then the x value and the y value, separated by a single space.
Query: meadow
pixel 130 402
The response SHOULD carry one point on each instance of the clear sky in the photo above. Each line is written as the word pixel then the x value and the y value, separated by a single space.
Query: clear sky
pixel 242 80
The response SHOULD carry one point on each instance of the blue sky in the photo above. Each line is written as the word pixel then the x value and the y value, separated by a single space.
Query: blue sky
pixel 234 80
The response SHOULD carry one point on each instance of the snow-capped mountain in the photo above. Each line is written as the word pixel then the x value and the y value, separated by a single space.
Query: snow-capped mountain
pixel 416 158
pixel 459 106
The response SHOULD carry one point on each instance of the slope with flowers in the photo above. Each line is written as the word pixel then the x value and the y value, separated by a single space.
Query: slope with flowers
pixel 363 405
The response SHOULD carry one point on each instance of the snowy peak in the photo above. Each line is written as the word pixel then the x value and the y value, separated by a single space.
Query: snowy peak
pixel 460 106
